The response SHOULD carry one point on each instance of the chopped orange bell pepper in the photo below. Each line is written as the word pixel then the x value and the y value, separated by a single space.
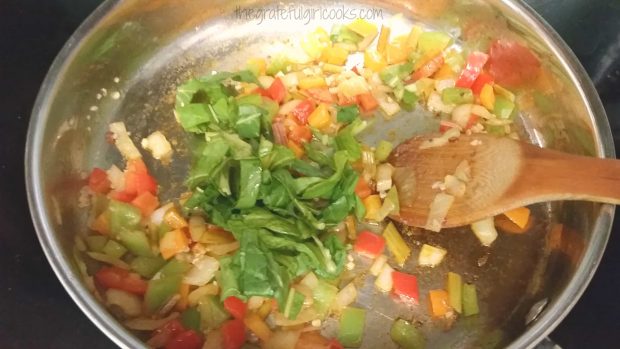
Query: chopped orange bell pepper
pixel 101 224
pixel 320 117
pixel 255 324
pixel 174 219
pixel 439 302
pixel 372 203
pixel 146 202
pixel 519 216
pixel 296 148
pixel 173 242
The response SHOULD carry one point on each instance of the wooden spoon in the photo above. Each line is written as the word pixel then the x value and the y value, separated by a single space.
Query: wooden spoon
pixel 505 174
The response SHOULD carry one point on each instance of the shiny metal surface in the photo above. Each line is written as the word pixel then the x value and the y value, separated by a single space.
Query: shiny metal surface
pixel 152 46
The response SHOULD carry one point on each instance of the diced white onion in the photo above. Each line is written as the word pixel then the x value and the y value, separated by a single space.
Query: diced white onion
pixel 388 106
pixel 485 231
pixel 384 177
pixel 158 145
pixel 431 256
pixel 290 80
pixel 104 258
pixel 463 171
pixel 202 272
pixel 441 85
pixel 116 178
pixel 197 227
pixel 438 211
pixel 461 115
pixel 346 296
pixel 130 304
pixel 310 281
pixel 442 140
pixel 283 340
pixel 435 104
pixel 378 264
pixel 265 81
pixel 157 217
pixel 384 281
pixel 123 143
pixel 355 85
pixel 207 290
pixel 454 186
pixel 306 315
pixel 254 302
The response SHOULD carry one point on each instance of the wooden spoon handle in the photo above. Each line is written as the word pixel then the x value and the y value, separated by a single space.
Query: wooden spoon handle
pixel 548 175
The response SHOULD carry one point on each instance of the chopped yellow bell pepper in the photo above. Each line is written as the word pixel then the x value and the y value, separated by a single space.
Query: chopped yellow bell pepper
pixel 396 53
pixel 374 61
pixel 384 38
pixel 173 242
pixel 173 218
pixel 445 72
pixel 504 92
pixel 372 203
pixel 395 243
pixel 312 82
pixel 363 28
pixel 351 227
pixel 335 55
pixel 439 302
pixel 314 43
pixel 320 117
pixel 332 68
pixel 255 324
pixel 257 65
pixel 414 36
pixel 487 97
pixel 519 216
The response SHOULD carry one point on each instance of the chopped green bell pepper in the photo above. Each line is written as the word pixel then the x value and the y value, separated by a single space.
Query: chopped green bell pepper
pixel 114 249
pixel 166 285
pixel 470 300
pixel 455 288
pixel 351 329
pixel 432 43
pixel 384 148
pixel 347 113
pixel 147 266
pixel 503 107
pixel 294 303
pixel 136 242
pixel 123 216
pixel 406 335
pixel 457 95
pixel 324 295
pixel 190 319
pixel 212 312
pixel 96 243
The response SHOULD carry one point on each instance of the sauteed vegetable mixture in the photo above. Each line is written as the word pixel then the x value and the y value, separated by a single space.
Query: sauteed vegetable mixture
pixel 284 202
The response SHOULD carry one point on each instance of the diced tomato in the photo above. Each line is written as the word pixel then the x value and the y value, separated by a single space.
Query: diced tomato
pixel 277 91
pixel 233 334
pixel 475 63
pixel 369 244
pixel 167 331
pixel 405 286
pixel 445 125
pixel 261 91
pixel 362 189
pixel 303 110
pixel 122 196
pixel 334 344
pixel 114 277
pixel 483 79
pixel 512 64
pixel 188 339
pixel 367 102
pixel 235 307
pixel 146 202
pixel 299 134
pixel 137 178
pixel 98 181
pixel 429 68
pixel 321 94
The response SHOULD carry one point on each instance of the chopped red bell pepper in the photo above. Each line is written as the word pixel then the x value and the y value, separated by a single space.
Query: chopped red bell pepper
pixel 362 189
pixel 303 110
pixel 146 202
pixel 235 307
pixel 334 344
pixel 473 119
pixel 512 64
pixel 367 102
pixel 429 68
pixel 483 79
pixel 188 339
pixel 122 196
pixel 321 94
pixel 475 62
pixel 406 286
pixel 233 334
pixel 369 244
pixel 277 90
pixel 345 101
pixel 167 331
pixel 137 178
pixel 261 91
pixel 98 181
pixel 114 277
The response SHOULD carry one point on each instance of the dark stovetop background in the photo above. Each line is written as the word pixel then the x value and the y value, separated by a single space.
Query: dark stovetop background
pixel 35 311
